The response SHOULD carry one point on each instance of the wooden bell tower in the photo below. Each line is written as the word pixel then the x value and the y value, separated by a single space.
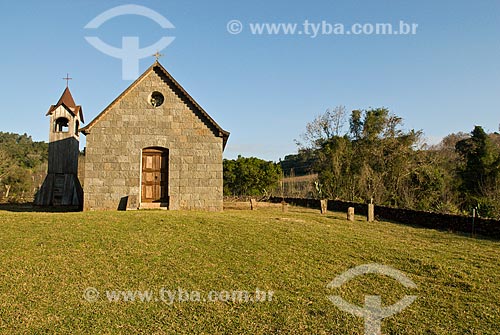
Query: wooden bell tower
pixel 61 186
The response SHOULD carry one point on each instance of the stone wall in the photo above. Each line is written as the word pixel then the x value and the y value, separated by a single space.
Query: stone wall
pixel 447 222
pixel 115 144
pixel 81 168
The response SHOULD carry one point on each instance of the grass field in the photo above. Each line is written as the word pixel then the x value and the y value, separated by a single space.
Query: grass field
pixel 49 260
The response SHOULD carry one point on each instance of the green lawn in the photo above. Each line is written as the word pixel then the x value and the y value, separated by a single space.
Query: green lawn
pixel 48 260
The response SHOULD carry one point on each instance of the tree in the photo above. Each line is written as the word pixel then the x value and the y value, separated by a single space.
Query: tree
pixel 355 125
pixel 20 156
pixel 479 171
pixel 436 187
pixel 17 183
pixel 250 176
pixel 5 163
pixel 376 158
pixel 324 127
pixel 382 156
pixel 23 150
pixel 299 164
pixel 334 167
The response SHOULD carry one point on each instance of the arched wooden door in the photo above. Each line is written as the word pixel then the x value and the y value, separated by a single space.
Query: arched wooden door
pixel 154 175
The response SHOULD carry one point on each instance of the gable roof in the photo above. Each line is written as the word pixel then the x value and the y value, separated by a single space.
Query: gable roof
pixel 161 71
pixel 66 100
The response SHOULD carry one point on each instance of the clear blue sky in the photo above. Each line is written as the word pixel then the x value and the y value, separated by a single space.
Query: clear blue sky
pixel 263 89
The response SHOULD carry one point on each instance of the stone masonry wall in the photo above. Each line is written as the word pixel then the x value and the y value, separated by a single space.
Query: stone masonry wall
pixel 115 143
pixel 456 223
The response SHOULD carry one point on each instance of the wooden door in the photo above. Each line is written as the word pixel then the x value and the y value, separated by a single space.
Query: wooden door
pixel 154 175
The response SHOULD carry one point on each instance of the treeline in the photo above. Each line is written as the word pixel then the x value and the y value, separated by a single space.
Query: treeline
pixel 250 176
pixel 23 164
pixel 367 155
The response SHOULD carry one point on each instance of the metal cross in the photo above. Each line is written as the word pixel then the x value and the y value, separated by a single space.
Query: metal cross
pixel 158 55
pixel 67 79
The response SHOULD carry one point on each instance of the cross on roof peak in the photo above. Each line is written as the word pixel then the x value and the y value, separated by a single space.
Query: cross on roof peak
pixel 158 55
pixel 67 79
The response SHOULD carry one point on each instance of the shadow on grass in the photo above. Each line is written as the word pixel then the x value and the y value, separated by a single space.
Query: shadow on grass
pixel 29 207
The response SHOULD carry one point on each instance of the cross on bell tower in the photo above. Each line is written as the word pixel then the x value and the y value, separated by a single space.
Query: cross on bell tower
pixel 67 79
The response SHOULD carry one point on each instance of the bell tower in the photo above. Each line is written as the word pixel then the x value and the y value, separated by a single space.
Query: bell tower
pixel 61 186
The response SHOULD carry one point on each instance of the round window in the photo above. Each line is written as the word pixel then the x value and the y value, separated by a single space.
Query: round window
pixel 156 99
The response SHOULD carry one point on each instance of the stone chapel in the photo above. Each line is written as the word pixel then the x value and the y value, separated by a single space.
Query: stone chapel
pixel 154 146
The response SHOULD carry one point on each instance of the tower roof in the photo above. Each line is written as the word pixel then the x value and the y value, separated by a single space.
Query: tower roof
pixel 66 100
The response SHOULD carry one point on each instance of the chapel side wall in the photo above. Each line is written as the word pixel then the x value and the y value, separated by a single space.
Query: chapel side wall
pixel 115 143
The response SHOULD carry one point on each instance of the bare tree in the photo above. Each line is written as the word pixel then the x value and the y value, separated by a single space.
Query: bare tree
pixel 324 127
